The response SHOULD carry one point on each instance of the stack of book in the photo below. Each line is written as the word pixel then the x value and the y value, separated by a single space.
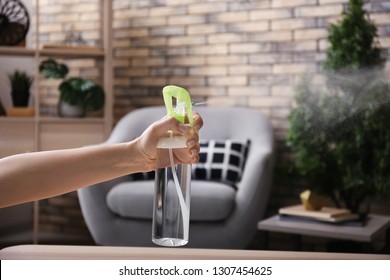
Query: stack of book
pixel 325 214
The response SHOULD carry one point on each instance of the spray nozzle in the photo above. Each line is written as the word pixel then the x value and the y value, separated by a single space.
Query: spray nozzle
pixel 183 103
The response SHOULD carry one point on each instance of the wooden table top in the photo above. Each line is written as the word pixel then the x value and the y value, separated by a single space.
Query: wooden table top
pixel 144 253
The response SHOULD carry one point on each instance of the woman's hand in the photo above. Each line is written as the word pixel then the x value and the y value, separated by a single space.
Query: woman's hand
pixel 147 142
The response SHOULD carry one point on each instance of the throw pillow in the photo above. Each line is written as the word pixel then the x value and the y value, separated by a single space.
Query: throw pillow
pixel 221 160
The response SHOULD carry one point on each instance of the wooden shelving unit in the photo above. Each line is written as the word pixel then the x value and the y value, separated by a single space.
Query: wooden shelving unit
pixel 102 53
pixel 27 134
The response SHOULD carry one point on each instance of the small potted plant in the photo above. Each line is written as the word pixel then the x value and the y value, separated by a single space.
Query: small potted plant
pixel 77 95
pixel 20 83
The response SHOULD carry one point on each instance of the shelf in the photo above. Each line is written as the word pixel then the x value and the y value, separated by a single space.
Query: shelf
pixel 52 120
pixel 71 120
pixel 55 52
pixel 17 119
pixel 17 51
pixel 68 52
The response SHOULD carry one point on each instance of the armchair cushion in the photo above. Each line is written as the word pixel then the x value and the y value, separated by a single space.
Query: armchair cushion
pixel 210 201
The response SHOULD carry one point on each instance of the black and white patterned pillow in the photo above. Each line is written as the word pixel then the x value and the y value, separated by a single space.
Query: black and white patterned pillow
pixel 221 160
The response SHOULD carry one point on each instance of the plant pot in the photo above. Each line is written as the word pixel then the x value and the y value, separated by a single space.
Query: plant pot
pixel 20 98
pixel 71 111
pixel 2 110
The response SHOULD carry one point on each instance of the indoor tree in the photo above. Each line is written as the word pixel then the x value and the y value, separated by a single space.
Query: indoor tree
pixel 339 135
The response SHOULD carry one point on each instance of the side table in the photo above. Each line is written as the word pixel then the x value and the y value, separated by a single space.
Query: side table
pixel 375 226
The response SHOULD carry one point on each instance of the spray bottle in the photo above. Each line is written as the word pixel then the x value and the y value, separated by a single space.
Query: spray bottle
pixel 171 213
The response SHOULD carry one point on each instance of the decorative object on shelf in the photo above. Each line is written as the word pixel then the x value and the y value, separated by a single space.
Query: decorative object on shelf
pixel 73 38
pixel 311 200
pixel 20 83
pixel 339 134
pixel 77 95
pixel 14 23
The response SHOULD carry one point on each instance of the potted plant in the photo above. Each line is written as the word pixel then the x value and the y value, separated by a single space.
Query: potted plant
pixel 339 136
pixel 2 110
pixel 20 83
pixel 77 95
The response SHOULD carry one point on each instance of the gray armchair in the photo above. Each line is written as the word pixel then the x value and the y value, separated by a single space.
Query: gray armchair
pixel 119 212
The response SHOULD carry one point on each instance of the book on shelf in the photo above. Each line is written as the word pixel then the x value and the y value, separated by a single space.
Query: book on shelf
pixel 327 214
pixel 351 221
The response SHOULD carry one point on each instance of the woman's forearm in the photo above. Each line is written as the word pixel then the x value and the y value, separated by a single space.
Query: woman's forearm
pixel 33 176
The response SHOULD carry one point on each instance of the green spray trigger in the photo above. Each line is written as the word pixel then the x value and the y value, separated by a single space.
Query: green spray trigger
pixel 183 103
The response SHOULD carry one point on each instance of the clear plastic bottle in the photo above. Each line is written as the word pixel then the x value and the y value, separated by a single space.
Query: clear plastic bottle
pixel 172 197
pixel 171 212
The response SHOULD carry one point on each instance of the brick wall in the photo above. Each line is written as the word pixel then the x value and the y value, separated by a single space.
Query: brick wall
pixel 62 215
pixel 226 52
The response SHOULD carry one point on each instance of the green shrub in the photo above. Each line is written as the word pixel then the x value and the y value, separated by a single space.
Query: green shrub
pixel 340 137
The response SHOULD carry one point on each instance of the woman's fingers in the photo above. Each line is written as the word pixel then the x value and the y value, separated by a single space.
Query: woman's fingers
pixel 198 121
pixel 190 134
